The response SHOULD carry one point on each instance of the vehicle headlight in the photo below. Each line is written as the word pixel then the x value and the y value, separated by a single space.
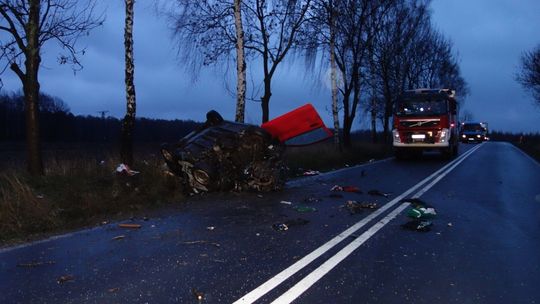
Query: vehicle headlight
pixel 463 135
pixel 395 135
pixel 444 135
pixel 478 135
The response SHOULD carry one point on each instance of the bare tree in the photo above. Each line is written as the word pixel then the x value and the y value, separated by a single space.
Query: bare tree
pixel 28 25
pixel 128 123
pixel 272 30
pixel 529 75
pixel 207 33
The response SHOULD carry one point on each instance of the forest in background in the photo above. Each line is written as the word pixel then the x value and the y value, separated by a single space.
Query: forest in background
pixel 58 124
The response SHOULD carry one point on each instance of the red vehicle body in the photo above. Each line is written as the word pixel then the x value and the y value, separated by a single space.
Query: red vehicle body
pixel 426 119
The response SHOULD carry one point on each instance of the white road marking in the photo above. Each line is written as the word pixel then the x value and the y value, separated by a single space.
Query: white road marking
pixel 267 286
pixel 300 287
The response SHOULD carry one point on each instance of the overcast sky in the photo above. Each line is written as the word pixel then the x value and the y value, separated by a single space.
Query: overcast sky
pixel 489 36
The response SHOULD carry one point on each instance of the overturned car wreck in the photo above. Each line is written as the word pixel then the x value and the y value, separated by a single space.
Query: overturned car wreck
pixel 223 155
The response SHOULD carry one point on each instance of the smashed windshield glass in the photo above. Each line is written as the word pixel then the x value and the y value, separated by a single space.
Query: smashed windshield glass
pixel 422 107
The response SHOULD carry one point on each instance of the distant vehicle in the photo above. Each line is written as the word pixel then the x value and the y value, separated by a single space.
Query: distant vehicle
pixel 474 132
pixel 425 119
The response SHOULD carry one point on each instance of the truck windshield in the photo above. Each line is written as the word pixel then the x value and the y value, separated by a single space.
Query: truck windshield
pixel 473 127
pixel 422 107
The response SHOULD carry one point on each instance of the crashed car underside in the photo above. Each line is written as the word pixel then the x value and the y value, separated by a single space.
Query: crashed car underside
pixel 224 155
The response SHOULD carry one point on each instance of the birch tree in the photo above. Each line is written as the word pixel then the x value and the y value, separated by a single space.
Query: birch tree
pixel 128 123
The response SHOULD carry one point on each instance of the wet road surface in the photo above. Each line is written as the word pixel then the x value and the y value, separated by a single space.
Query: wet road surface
pixel 221 248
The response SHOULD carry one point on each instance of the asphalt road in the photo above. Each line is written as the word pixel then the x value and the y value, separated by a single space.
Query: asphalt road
pixel 222 248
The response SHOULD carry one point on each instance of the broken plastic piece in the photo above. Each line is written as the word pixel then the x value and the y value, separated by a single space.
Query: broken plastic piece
pixel 353 189
pixel 305 209
pixel 280 227
pixel 378 193
pixel 116 238
pixel 285 202
pixel 131 226
pixel 65 278
pixel 124 169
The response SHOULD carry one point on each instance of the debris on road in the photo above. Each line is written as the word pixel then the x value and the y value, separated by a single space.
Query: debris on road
pixel 421 213
pixel 378 193
pixel 202 242
pixel 65 278
pixel 210 228
pixel 450 225
pixel 280 227
pixel 130 226
pixel 346 189
pixel 285 202
pixel 420 209
pixel 115 289
pixel 36 264
pixel 302 208
pixel 198 294
pixel 119 237
pixel 418 225
pixel 312 199
pixel 357 207
pixel 290 223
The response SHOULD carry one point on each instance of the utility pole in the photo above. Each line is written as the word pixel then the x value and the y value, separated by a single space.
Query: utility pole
pixel 103 114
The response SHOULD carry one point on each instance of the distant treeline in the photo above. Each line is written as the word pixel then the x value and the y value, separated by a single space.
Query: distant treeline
pixel 58 124
pixel 515 137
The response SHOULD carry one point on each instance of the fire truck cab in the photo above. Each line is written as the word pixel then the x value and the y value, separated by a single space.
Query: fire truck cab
pixel 425 119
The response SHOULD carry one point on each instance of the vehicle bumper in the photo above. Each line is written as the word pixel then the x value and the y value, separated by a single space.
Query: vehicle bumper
pixel 422 145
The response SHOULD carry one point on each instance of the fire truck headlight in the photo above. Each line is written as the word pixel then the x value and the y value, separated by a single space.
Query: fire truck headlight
pixel 444 135
pixel 478 135
pixel 395 135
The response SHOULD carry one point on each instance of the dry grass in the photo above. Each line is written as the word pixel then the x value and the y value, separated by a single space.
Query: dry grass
pixel 80 192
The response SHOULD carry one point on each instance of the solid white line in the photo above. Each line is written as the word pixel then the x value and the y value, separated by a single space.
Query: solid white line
pixel 263 289
pixel 318 273
pixel 295 291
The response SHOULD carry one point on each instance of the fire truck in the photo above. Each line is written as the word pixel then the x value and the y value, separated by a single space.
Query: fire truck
pixel 425 119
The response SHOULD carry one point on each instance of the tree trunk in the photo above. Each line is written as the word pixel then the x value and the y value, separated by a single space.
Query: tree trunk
pixel 128 124
pixel 373 121
pixel 346 120
pixel 240 63
pixel 31 90
pixel 265 100
pixel 333 76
